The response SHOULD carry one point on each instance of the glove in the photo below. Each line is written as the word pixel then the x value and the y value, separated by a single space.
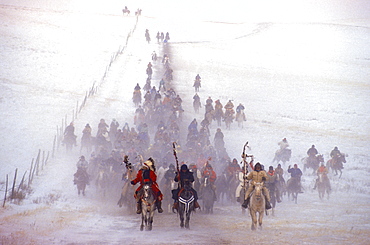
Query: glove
pixel 263 178
pixel 243 155
pixel 289 166
pixel 132 182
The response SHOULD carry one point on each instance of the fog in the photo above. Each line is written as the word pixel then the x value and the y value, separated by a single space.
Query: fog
pixel 301 69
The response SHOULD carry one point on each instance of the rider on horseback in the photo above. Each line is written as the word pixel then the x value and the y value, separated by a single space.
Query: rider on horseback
pixel 208 172
pixel 69 133
pixel 257 175
pixel 240 108
pixel 295 173
pixel 147 174
pixel 87 131
pixel 280 172
pixel 312 152
pixel 81 170
pixel 324 171
pixel 232 169
pixel 272 182
pixel 283 145
pixel 335 152
pixel 186 178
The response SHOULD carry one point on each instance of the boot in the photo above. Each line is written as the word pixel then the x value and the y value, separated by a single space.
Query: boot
pixel 175 206
pixel 196 205
pixel 159 207
pixel 138 207
pixel 246 203
pixel 268 205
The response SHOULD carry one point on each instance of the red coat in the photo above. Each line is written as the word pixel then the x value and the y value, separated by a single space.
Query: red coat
pixel 212 174
pixel 153 178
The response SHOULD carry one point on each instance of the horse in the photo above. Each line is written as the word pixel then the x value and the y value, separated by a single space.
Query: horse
pixel 208 197
pixel 272 190
pixel 312 162
pixel 293 188
pixel 323 185
pixel 186 204
pixel 257 205
pixel 87 142
pixel 197 85
pixel 126 11
pixel 128 192
pixel 69 141
pixel 222 187
pixel 167 187
pixel 282 155
pixel 229 117
pixel 281 186
pixel 138 12
pixel 81 179
pixel 196 105
pixel 218 115
pixel 240 118
pixel 136 98
pixel 148 201
pixel 336 163
pixel 102 181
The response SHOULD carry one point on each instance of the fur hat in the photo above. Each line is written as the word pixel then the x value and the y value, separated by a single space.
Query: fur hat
pixel 150 164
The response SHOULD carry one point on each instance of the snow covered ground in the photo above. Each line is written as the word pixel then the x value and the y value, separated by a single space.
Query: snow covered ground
pixel 300 68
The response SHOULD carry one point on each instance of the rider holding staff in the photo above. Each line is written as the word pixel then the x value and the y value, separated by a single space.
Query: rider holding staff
pixel 147 174
pixel 186 178
pixel 257 175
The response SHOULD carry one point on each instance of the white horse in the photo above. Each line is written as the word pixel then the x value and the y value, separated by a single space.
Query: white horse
pixel 257 205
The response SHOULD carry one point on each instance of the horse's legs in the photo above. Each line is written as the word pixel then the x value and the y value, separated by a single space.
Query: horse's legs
pixel 260 219
pixel 187 220
pixel 181 219
pixel 254 220
pixel 142 221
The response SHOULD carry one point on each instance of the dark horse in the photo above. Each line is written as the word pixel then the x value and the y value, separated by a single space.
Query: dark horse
pixel 323 185
pixel 293 187
pixel 136 98
pixel 207 196
pixel 186 204
pixel 336 163
pixel 69 141
pixel 81 179
pixel 312 162
pixel 272 190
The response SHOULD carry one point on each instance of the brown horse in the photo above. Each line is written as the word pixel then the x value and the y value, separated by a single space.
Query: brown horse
pixel 81 179
pixel 257 205
pixel 336 163
pixel 323 185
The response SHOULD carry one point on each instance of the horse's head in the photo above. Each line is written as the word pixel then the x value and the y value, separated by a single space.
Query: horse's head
pixel 321 177
pixel 258 189
pixel 320 158
pixel 147 188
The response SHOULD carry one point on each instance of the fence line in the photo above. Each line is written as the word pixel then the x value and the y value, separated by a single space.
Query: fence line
pixel 17 194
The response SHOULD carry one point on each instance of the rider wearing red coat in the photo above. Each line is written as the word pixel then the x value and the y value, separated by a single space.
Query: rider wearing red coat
pixel 147 174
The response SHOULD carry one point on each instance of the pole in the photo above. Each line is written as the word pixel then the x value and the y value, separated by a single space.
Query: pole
pixel 177 163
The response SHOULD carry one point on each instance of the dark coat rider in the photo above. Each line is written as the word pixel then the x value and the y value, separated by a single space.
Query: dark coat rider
pixel 186 178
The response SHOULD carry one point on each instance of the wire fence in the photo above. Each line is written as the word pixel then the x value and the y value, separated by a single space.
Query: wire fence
pixel 15 189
